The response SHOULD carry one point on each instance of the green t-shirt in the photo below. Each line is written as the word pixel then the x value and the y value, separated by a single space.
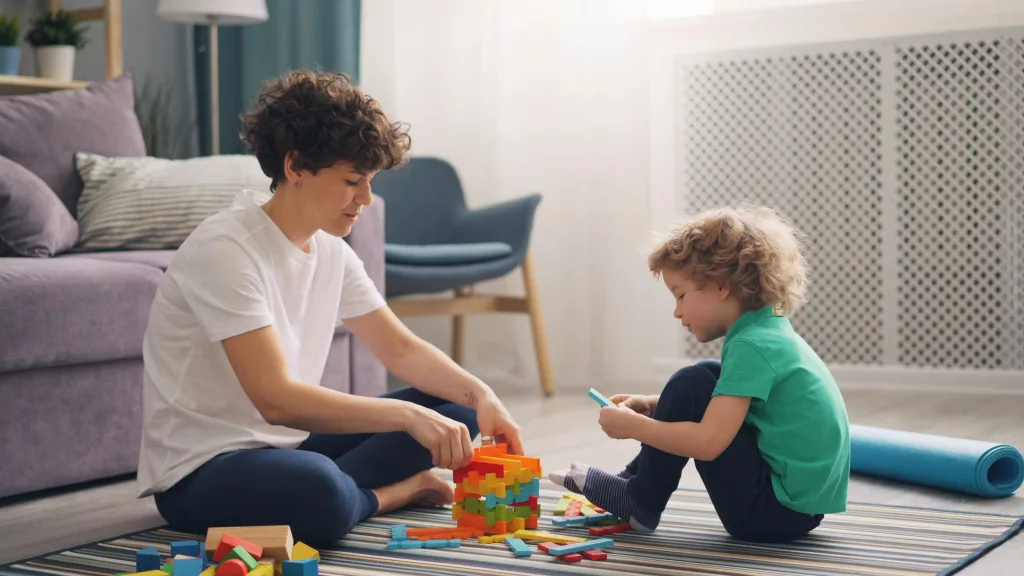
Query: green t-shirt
pixel 803 428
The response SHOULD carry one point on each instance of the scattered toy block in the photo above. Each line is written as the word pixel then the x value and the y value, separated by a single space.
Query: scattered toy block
pixel 188 548
pixel 574 557
pixel 392 544
pixel 410 544
pixel 454 543
pixel 518 547
pixel 581 546
pixel 147 560
pixel 262 570
pixel 594 555
pixel 167 568
pixel 303 552
pixel 398 532
pixel 545 546
pixel 600 398
pixel 493 538
pixel 210 570
pixel 273 541
pixel 184 566
pixel 229 542
pixel 232 567
pixel 605 530
pixel 435 544
pixel 242 554
pixel 547 537
pixel 307 567
pixel 573 509
pixel 146 573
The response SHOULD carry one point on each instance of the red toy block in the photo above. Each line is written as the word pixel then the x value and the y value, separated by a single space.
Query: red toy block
pixel 606 530
pixel 573 509
pixel 546 546
pixel 594 555
pixel 574 557
pixel 233 567
pixel 459 475
pixel 228 543
pixel 533 503
pixel 486 468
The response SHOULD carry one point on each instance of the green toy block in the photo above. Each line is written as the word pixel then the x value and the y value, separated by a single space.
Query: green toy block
pixel 563 504
pixel 242 554
pixel 168 567
pixel 489 516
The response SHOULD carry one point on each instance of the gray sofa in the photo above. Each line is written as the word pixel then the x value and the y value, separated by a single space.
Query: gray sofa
pixel 71 329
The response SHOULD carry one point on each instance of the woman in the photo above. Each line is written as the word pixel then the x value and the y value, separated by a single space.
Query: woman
pixel 236 429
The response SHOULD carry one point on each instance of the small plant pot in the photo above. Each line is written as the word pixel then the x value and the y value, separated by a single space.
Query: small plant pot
pixel 10 60
pixel 56 62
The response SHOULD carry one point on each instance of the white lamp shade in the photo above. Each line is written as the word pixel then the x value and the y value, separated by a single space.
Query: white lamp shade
pixel 224 12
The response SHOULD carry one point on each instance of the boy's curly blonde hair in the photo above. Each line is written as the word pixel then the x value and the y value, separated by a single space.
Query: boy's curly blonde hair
pixel 750 250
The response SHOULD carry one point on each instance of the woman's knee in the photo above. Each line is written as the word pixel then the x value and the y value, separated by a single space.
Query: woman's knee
pixel 461 414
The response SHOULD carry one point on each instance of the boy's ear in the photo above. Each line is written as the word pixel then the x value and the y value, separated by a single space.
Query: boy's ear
pixel 723 292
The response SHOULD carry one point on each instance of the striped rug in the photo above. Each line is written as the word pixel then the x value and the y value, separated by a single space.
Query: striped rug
pixel 866 540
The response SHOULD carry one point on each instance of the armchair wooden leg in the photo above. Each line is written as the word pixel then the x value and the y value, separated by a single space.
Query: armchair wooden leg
pixel 540 339
pixel 459 327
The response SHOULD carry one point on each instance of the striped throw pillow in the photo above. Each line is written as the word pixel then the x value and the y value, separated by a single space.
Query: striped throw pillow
pixel 146 203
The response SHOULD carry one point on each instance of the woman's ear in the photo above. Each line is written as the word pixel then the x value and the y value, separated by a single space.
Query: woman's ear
pixel 291 175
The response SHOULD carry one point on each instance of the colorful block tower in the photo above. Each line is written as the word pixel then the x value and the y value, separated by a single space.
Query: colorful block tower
pixel 497 493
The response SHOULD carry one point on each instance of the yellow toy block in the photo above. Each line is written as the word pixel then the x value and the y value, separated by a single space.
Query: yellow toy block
pixel 512 467
pixel 493 539
pixel 148 573
pixel 547 537
pixel 456 512
pixel 211 570
pixel 518 524
pixel 525 476
pixel 499 490
pixel 262 570
pixel 303 552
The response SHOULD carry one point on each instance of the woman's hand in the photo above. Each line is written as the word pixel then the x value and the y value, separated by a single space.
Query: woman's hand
pixel 643 405
pixel 448 441
pixel 620 422
pixel 494 420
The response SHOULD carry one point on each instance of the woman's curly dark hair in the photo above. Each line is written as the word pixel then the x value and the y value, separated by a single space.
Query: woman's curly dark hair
pixel 321 119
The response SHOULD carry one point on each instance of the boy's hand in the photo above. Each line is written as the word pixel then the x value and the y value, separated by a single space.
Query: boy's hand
pixel 643 405
pixel 619 422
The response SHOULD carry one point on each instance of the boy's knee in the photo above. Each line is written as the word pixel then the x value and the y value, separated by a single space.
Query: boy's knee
pixel 691 380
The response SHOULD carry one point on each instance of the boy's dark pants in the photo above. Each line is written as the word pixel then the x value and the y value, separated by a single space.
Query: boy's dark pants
pixel 738 481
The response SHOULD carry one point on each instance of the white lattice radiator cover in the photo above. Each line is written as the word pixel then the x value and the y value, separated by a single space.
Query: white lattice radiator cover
pixel 902 162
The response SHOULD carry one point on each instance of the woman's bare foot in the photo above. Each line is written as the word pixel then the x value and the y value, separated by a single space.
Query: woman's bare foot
pixel 424 488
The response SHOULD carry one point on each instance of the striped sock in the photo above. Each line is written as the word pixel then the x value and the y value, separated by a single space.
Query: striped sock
pixel 608 491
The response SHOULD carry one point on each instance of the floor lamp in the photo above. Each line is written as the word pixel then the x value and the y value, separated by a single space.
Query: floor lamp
pixel 214 13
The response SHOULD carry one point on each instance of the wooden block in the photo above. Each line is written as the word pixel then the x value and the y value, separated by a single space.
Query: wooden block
pixel 518 524
pixel 404 544
pixel 454 543
pixel 570 557
pixel 392 544
pixel 233 567
pixel 229 542
pixel 274 541
pixel 605 530
pixel 307 567
pixel 167 568
pixel 147 560
pixel 188 548
pixel 594 555
pixel 303 552
pixel 398 532
pixel 548 537
pixel 184 566
pixel 581 546
pixel 242 554
pixel 262 570
pixel 573 509
pixel 545 546
pixel 531 522
pixel 147 573
pixel 562 505
pixel 435 544
pixel 210 570
pixel 518 547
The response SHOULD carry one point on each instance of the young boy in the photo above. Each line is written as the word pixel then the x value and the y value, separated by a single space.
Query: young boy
pixel 767 427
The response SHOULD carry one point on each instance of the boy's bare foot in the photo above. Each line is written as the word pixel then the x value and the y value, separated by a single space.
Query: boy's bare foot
pixel 424 489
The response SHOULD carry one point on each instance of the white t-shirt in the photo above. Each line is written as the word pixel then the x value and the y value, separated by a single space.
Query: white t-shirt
pixel 235 273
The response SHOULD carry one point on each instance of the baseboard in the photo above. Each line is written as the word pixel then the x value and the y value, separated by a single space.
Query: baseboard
pixel 851 377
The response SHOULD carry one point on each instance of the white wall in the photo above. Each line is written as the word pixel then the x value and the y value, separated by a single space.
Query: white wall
pixel 547 96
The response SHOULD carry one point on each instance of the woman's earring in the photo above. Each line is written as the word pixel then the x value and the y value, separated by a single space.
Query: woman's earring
pixel 295 184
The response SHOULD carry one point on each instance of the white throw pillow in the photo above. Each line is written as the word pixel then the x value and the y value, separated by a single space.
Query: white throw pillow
pixel 146 203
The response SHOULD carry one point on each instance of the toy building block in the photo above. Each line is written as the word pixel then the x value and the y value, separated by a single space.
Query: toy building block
pixel 147 560
pixel 232 567
pixel 210 570
pixel 398 532
pixel 581 546
pixel 229 542
pixel 493 539
pixel 594 555
pixel 184 566
pixel 405 544
pixel 188 548
pixel 435 544
pixel 242 554
pixel 454 543
pixel 545 546
pixel 273 541
pixel 262 570
pixel 303 552
pixel 574 557
pixel 606 530
pixel 307 567
pixel 146 573
pixel 547 537
pixel 494 491
pixel 167 568
pixel 392 544
pixel 600 398
pixel 574 509
pixel 518 547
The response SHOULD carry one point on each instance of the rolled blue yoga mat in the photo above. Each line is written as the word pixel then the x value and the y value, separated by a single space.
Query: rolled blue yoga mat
pixel 970 466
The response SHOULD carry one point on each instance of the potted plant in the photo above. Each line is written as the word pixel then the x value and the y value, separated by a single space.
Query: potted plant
pixel 10 52
pixel 56 36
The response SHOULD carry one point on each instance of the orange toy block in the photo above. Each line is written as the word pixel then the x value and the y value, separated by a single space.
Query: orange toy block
pixel 531 522
pixel 500 527
pixel 460 493
pixel 228 542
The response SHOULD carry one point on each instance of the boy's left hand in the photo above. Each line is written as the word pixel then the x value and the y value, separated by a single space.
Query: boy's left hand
pixel 620 422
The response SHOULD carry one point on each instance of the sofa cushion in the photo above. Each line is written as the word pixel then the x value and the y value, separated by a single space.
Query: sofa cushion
pixel 157 258
pixel 155 203
pixel 59 311
pixel 445 254
pixel 42 132
pixel 33 221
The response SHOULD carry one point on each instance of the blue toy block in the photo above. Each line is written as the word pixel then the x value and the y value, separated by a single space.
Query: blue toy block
pixel 454 543
pixel 531 488
pixel 188 548
pixel 581 546
pixel 398 532
pixel 206 557
pixel 410 544
pixel 570 521
pixel 188 566
pixel 392 544
pixel 147 559
pixel 435 544
pixel 600 398
pixel 597 519
pixel 308 567
pixel 518 547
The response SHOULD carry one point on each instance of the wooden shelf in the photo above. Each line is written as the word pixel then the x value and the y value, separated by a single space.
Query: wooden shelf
pixel 13 85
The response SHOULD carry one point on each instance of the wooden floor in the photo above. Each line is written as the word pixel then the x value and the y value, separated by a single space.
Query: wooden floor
pixel 563 429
